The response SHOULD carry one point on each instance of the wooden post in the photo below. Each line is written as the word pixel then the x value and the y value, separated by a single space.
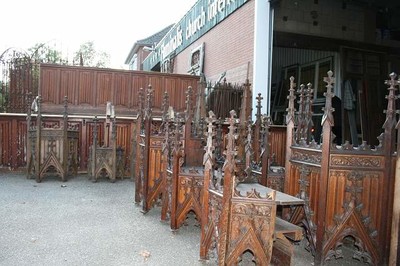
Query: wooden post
pixel 229 169
pixel 28 139
pixel 389 127
pixel 65 144
pixel 145 162
pixel 266 149
pixel 257 144
pixel 38 138
pixel 327 122
pixel 208 162
pixel 94 148
pixel 394 242
pixel 138 158
pixel 113 145
pixel 290 124
pixel 177 153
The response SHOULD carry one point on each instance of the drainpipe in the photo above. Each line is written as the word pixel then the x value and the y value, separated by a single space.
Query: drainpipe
pixel 263 36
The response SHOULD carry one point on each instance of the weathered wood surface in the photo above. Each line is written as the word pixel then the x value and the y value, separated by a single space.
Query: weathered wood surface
pixel 89 89
pixel 53 147
pixel 281 198
pixel 106 159
pixel 13 141
pixel 348 190
pixel 239 217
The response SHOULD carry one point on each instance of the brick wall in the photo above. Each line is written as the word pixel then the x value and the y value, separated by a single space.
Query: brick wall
pixel 227 47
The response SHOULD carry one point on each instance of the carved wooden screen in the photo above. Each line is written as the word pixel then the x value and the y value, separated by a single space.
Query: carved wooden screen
pixel 53 146
pixel 348 190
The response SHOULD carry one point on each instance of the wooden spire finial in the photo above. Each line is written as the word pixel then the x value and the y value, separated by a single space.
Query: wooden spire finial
pixel 209 148
pixel 391 97
pixel 230 152
pixel 328 117
pixel 291 97
pixel 189 103
pixel 149 102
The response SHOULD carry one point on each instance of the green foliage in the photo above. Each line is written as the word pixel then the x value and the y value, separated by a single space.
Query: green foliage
pixel 43 53
pixel 88 56
pixel 3 96
pixel 85 56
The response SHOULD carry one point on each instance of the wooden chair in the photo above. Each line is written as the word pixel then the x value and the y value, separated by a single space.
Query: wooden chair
pixel 259 158
pixel 184 174
pixel 148 176
pixel 53 146
pixel 254 198
pixel 234 223
pixel 347 190
pixel 106 159
pixel 183 169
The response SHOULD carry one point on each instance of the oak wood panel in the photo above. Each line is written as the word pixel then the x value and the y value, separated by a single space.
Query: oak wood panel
pixel 88 89
pixel 105 89
pixel 13 133
pixel 67 86
pixel 278 140
pixel 49 80
pixel 122 91
pixel 86 94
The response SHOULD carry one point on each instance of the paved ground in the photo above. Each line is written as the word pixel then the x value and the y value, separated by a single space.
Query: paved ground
pixel 83 223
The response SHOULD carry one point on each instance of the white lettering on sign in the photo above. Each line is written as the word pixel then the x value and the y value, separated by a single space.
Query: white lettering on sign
pixel 207 14
pixel 196 25
pixel 172 44
pixel 216 6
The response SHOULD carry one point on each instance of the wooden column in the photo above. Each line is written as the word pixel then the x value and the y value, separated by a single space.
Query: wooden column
pixel 228 168
pixel 290 124
pixel 389 128
pixel 38 138
pixel 65 144
pixel 138 158
pixel 145 162
pixel 177 153
pixel 209 162
pixel 327 123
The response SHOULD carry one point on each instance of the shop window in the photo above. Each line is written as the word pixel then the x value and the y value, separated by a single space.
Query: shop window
pixel 196 60
pixel 167 65
pixel 313 73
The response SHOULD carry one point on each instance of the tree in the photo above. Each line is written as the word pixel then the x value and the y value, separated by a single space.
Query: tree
pixel 88 56
pixel 42 52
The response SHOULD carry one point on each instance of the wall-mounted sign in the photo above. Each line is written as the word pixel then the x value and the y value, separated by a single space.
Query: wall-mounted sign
pixel 202 17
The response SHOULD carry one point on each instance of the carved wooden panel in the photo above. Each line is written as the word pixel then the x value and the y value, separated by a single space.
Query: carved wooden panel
pixel 48 81
pixel 86 94
pixel 122 90
pixel 251 227
pixel 154 171
pixel 94 87
pixel 13 141
pixel 104 82
pixel 53 151
pixel 347 190
pixel 189 192
pixel 277 140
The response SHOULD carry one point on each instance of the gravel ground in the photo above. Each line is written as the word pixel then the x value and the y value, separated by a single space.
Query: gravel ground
pixel 83 223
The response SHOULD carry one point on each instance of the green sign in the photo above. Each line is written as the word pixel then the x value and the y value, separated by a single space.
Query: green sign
pixel 202 17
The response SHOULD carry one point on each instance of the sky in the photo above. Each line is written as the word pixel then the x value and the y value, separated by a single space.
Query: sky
pixel 113 26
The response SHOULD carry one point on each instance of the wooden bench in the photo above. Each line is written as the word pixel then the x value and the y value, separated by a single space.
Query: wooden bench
pixel 183 171
pixel 284 234
pixel 240 217
pixel 149 139
pixel 106 159
pixel 348 190
pixel 52 146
